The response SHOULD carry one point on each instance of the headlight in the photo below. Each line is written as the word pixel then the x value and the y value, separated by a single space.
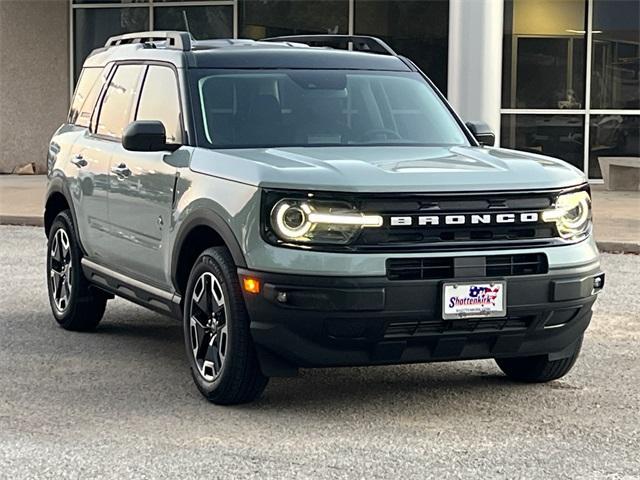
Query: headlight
pixel 571 214
pixel 318 221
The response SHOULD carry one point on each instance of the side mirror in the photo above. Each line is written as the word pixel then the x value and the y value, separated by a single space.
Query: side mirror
pixel 146 136
pixel 482 133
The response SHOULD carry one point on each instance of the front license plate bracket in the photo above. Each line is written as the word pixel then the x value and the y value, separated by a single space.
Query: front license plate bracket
pixel 482 299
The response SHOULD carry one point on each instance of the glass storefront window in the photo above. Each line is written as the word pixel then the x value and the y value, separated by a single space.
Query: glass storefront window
pixel 612 136
pixel 202 21
pixel 93 26
pixel 414 28
pixel 559 136
pixel 110 1
pixel 543 54
pixel 615 71
pixel 272 18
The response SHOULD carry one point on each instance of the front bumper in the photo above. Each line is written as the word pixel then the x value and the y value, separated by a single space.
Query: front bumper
pixel 320 321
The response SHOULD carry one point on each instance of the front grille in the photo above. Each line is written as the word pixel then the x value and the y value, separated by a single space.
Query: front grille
pixel 438 268
pixel 442 236
pixel 509 265
pixel 419 268
pixel 439 326
pixel 467 235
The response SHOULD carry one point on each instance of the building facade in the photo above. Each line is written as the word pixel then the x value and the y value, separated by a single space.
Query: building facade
pixel 560 77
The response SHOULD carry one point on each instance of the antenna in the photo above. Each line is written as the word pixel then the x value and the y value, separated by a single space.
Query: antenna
pixel 186 21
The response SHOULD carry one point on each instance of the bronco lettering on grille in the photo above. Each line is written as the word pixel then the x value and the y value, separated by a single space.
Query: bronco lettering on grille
pixel 474 219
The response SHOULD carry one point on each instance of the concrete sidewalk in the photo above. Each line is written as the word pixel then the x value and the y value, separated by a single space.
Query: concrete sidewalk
pixel 616 214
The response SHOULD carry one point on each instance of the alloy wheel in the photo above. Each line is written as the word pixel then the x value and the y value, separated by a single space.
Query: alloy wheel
pixel 60 270
pixel 208 326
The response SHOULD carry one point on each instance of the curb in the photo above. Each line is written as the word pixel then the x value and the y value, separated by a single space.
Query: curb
pixel 22 220
pixel 605 247
pixel 619 247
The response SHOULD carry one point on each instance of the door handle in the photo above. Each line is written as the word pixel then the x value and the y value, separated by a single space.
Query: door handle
pixel 79 161
pixel 121 170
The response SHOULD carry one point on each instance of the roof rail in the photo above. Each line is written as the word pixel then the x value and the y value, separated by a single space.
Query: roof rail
pixel 174 39
pixel 359 43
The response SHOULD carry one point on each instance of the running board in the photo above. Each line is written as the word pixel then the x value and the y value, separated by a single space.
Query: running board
pixel 136 291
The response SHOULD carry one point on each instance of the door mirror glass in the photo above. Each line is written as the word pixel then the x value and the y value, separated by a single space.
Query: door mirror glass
pixel 482 133
pixel 146 136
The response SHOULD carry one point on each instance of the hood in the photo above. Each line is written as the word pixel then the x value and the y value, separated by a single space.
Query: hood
pixel 388 168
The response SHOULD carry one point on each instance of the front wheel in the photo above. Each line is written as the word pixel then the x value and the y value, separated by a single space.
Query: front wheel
pixel 539 369
pixel 218 342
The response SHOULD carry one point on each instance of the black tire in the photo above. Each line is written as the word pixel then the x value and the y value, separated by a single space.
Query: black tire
pixel 235 378
pixel 538 369
pixel 85 304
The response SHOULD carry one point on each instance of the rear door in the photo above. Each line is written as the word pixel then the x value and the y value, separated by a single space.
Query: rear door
pixel 87 173
pixel 142 184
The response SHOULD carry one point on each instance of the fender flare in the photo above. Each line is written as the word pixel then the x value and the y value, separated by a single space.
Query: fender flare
pixel 208 218
pixel 58 185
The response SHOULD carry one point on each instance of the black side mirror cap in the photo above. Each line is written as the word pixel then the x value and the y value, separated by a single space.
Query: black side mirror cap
pixel 482 133
pixel 146 136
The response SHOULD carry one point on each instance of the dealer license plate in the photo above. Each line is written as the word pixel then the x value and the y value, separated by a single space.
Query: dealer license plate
pixel 464 300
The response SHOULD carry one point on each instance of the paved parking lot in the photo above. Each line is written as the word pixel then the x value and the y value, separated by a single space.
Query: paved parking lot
pixel 120 403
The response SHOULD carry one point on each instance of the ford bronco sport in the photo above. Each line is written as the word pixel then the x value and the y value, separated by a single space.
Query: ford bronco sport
pixel 299 204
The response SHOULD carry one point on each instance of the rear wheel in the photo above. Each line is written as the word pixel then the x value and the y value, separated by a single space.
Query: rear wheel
pixel 219 346
pixel 76 305
pixel 538 369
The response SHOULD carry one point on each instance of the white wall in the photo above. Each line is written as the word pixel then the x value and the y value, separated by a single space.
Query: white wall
pixel 475 60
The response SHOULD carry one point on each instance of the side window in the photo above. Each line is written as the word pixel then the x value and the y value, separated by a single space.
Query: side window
pixel 118 101
pixel 86 95
pixel 160 100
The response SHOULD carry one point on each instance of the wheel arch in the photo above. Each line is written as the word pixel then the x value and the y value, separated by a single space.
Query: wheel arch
pixel 58 199
pixel 201 230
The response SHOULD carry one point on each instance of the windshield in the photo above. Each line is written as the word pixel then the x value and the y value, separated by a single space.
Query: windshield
pixel 258 108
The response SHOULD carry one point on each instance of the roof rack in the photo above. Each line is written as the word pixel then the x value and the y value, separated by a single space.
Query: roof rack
pixel 359 43
pixel 174 39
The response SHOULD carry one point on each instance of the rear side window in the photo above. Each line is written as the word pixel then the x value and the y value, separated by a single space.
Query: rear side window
pixel 160 100
pixel 86 95
pixel 118 101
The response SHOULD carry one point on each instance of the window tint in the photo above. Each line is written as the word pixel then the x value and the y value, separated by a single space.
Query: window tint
pixel 87 91
pixel 321 107
pixel 118 101
pixel 160 101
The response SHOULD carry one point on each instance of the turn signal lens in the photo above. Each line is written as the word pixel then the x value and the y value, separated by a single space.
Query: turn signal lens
pixel 251 285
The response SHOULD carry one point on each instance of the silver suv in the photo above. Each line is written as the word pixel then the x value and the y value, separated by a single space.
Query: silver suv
pixel 310 202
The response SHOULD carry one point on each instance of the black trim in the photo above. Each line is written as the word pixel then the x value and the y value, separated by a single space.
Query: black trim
pixel 281 57
pixel 429 268
pixel 314 321
pixel 58 184
pixel 133 290
pixel 208 218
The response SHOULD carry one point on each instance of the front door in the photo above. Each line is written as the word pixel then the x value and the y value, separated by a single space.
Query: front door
pixel 140 201
pixel 142 186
